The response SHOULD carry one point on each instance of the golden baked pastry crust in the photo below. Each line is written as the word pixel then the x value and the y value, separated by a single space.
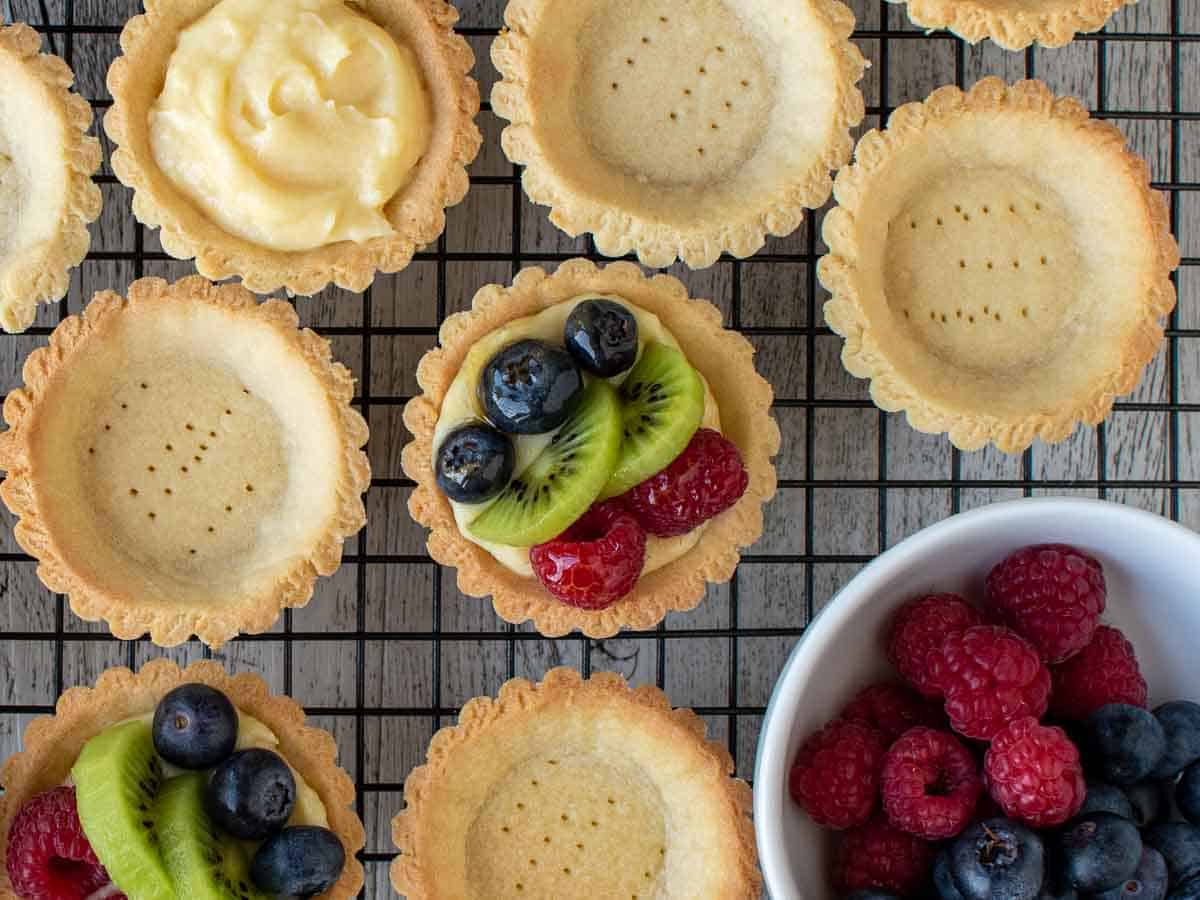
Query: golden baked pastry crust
pixel 729 143
pixel 1014 24
pixel 98 404
pixel 53 743
pixel 725 358
pixel 417 212
pixel 41 273
pixel 615 738
pixel 1039 296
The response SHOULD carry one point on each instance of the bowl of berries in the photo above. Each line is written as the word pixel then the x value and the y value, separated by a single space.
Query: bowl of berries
pixel 1005 706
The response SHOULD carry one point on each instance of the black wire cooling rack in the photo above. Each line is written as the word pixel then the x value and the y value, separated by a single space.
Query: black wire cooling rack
pixel 1166 477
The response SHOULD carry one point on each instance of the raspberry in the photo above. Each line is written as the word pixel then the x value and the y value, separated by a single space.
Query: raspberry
pixel 1033 771
pixel 878 856
pixel 1105 671
pixel 49 857
pixel 1050 594
pixel 991 676
pixel 930 784
pixel 596 561
pixel 917 631
pixel 835 777
pixel 704 480
pixel 891 709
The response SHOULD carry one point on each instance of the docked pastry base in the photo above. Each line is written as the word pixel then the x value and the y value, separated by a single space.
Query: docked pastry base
pixel 417 212
pixel 999 265
pixel 51 745
pixel 1014 24
pixel 573 788
pixel 723 357
pixel 53 124
pixel 184 461
pixel 670 146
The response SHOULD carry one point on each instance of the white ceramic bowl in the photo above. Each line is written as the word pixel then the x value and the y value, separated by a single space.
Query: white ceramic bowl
pixel 1152 568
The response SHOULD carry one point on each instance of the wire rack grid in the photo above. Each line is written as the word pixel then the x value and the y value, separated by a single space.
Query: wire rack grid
pixel 842 459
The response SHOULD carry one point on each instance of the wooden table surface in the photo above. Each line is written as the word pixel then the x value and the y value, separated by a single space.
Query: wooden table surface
pixel 387 650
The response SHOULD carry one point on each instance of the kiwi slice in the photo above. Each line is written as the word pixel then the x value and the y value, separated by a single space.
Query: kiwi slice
pixel 663 405
pixel 117 776
pixel 204 863
pixel 565 478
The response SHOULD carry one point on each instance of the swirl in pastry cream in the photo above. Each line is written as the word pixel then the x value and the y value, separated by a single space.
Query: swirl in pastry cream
pixel 291 123
pixel 462 405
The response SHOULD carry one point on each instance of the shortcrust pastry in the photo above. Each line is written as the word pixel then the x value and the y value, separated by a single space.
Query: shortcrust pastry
pixel 47 160
pixel 184 462
pixel 678 130
pixel 676 569
pixel 573 788
pixel 320 143
pixel 1014 24
pixel 52 744
pixel 999 265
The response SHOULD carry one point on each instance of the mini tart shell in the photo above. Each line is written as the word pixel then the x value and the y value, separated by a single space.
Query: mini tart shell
pixel 130 618
pixel 657 242
pixel 417 212
pixel 518 707
pixel 1011 24
pixel 841 273
pixel 53 743
pixel 42 273
pixel 725 358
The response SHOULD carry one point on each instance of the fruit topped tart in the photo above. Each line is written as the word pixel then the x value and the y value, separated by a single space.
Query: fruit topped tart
pixel 575 788
pixel 169 783
pixel 591 448
pixel 47 160
pixel 296 142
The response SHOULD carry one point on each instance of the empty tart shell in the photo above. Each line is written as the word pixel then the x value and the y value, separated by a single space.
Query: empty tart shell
pixel 574 788
pixel 417 212
pixel 1014 24
pixel 999 265
pixel 723 357
pixel 678 130
pixel 184 462
pixel 47 159
pixel 53 743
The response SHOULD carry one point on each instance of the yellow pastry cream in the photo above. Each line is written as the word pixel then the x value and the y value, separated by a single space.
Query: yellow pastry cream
pixel 461 405
pixel 291 123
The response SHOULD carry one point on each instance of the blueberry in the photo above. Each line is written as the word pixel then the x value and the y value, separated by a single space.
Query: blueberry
pixel 1103 797
pixel 299 862
pixel 1189 890
pixel 1181 722
pixel 602 336
pixel 530 387
pixel 1187 793
pixel 1148 882
pixel 1099 851
pixel 251 794
pixel 474 463
pixel 997 859
pixel 1126 742
pixel 943 878
pixel 1055 887
pixel 1179 844
pixel 195 727
pixel 1150 801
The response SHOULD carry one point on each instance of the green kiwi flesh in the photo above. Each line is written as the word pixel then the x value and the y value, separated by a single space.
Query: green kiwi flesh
pixel 204 864
pixel 117 777
pixel 564 480
pixel 663 404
